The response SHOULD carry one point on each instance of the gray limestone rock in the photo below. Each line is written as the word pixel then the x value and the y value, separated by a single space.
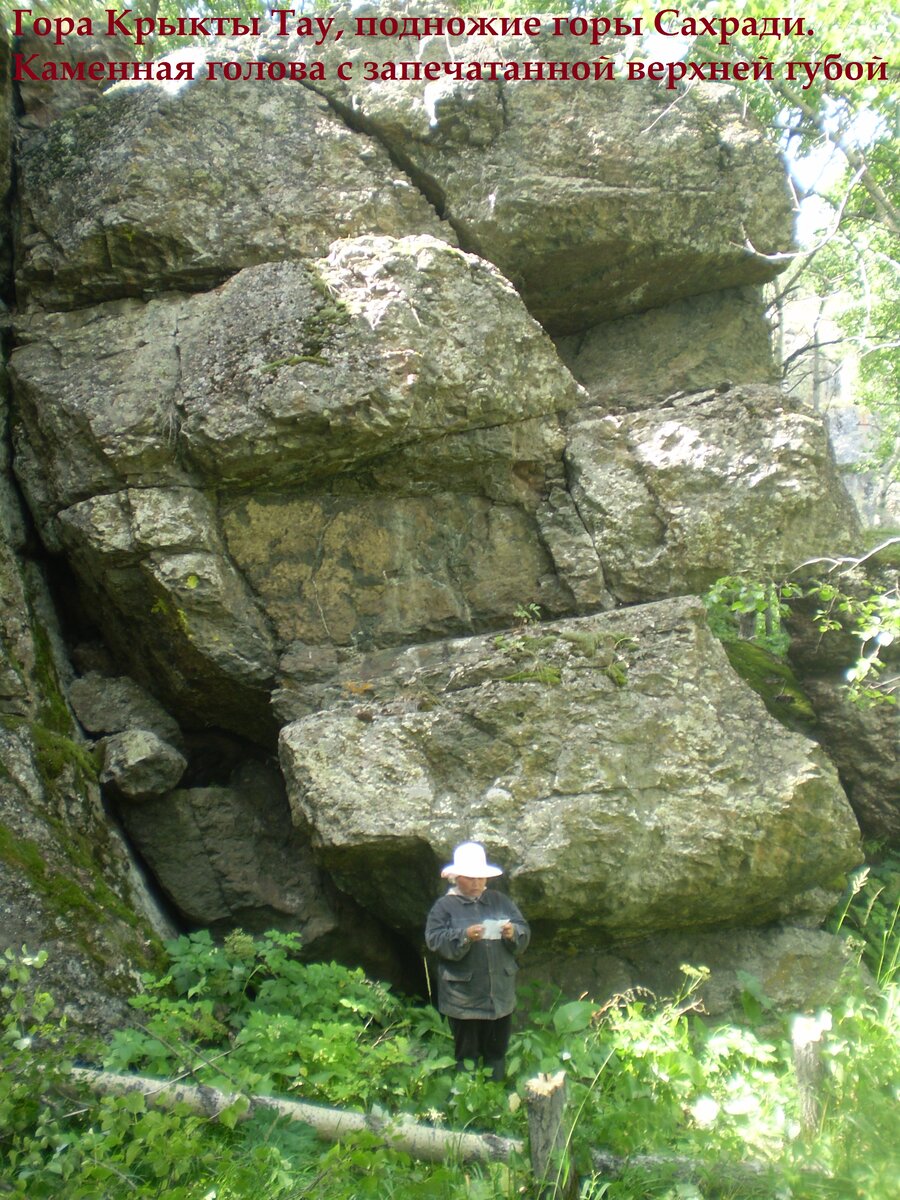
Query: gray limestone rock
pixel 862 739
pixel 138 764
pixel 67 883
pixel 229 856
pixel 111 705
pixel 43 101
pixel 864 744
pixel 6 161
pixel 348 451
pixel 596 199
pixel 152 189
pixel 288 374
pixel 686 346
pixel 738 480
pixel 615 757
pixel 793 967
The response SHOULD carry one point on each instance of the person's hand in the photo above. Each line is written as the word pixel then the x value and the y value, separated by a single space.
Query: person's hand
pixel 475 933
pixel 508 931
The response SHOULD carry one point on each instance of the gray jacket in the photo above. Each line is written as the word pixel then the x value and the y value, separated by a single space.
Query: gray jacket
pixel 476 980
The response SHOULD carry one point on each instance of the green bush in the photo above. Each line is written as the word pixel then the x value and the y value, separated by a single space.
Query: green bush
pixel 643 1076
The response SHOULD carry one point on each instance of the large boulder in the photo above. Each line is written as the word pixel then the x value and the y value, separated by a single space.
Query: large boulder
pixel 596 199
pixel 687 346
pixel 42 101
pixel 355 449
pixel 105 704
pixel 862 737
pixel 739 480
pixel 794 967
pixel 228 855
pixel 148 190
pixel 616 765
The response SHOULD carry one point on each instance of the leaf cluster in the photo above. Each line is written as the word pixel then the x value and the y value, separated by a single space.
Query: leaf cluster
pixel 643 1076
pixel 845 602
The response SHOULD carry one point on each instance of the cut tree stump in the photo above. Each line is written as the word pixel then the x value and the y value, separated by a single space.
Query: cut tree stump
pixel 551 1166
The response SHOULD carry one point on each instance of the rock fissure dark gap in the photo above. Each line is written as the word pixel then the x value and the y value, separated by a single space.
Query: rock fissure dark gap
pixel 428 187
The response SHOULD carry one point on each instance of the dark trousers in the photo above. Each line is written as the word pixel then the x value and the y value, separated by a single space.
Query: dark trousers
pixel 482 1041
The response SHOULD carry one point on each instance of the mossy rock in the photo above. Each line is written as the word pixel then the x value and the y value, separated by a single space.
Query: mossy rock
pixel 774 681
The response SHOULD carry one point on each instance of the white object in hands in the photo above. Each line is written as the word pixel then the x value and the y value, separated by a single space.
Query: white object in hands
pixel 493 927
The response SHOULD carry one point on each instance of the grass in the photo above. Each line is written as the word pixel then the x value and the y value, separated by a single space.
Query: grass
pixel 644 1077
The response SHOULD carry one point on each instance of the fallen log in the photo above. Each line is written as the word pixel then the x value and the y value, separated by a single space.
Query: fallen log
pixel 421 1141
pixel 426 1142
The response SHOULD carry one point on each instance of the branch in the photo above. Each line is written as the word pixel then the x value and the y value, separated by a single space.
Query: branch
pixel 856 160
pixel 847 562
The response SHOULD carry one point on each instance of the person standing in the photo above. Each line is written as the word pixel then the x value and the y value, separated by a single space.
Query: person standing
pixel 476 934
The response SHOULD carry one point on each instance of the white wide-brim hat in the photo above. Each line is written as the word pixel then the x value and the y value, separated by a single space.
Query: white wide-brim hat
pixel 469 860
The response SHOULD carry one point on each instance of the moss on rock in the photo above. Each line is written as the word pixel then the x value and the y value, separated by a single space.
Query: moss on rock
pixel 774 681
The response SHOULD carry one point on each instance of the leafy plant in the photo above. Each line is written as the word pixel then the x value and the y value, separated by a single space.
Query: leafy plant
pixel 644 1077
pixel 846 601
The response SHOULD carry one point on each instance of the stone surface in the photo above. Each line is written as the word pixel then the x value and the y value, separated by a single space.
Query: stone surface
pixel 864 744
pixel 345 442
pixel 596 200
pixel 6 163
pixel 740 481
pixel 363 460
pixel 650 200
pixel 149 190
pixel 862 739
pixel 616 757
pixel 795 968
pixel 110 705
pixel 687 346
pixel 67 884
pixel 43 101
pixel 137 764
pixel 228 856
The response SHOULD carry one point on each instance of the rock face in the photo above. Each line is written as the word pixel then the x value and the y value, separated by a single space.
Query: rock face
pixel 286 405
pixel 364 458
pixel 112 705
pixel 595 200
pixel 676 353
pixel 6 123
pixel 862 741
pixel 177 220
pixel 616 758
pixel 677 495
pixel 67 883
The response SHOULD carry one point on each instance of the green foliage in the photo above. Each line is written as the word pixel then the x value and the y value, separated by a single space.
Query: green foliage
pixel 740 607
pixel 869 916
pixel 527 614
pixel 845 600
pixel 643 1076
pixel 867 606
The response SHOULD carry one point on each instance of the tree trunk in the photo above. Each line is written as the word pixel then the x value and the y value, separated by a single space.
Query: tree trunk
pixel 427 1142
